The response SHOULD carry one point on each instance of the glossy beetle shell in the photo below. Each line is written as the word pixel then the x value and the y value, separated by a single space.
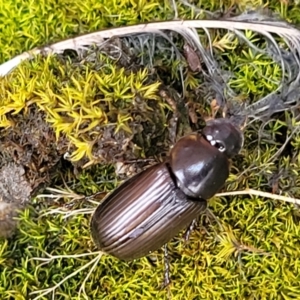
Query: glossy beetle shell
pixel 150 208
pixel 142 214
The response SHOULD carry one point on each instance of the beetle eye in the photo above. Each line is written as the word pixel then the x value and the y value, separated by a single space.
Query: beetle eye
pixel 220 146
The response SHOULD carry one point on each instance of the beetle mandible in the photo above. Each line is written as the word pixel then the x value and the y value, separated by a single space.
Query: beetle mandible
pixel 152 207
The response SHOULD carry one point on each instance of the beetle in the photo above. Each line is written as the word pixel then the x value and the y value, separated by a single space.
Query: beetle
pixel 152 207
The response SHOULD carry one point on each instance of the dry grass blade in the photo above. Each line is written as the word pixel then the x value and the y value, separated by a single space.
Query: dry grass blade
pixel 252 192
pixel 50 257
pixel 68 213
pixel 61 193
pixel 93 262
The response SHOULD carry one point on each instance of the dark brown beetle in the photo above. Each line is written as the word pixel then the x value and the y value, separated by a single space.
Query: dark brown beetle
pixel 150 208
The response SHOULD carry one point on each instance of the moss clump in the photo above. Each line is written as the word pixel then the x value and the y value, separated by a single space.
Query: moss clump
pixel 26 24
pixel 85 105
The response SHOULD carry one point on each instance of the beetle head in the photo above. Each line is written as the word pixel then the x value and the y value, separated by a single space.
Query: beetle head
pixel 224 135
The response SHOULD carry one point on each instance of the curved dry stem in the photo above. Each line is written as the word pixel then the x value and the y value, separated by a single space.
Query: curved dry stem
pixel 82 287
pixel 266 28
pixel 287 140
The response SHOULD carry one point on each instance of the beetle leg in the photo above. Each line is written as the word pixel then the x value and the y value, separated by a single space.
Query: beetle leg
pixel 186 235
pixel 167 279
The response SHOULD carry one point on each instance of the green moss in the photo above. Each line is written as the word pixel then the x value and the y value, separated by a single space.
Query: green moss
pixel 80 102
pixel 28 24
pixel 252 260
pixel 252 252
